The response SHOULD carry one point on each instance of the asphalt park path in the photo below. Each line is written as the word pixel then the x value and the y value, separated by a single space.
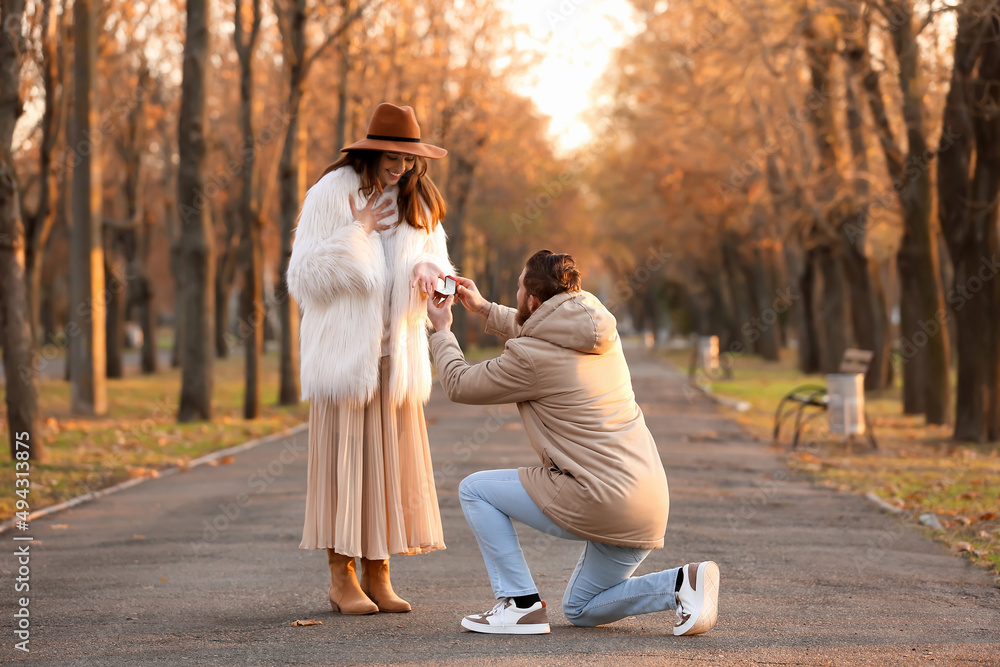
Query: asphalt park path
pixel 809 575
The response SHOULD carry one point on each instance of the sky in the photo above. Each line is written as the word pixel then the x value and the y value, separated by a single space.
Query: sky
pixel 576 38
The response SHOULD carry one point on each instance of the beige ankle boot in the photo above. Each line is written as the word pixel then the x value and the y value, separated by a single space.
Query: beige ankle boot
pixel 376 585
pixel 345 593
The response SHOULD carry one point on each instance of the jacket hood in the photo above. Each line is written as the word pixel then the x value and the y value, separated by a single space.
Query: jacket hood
pixel 574 320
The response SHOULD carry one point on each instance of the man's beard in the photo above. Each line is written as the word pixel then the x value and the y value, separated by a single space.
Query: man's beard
pixel 522 314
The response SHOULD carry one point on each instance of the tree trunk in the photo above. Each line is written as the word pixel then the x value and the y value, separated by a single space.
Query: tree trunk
pixel 86 325
pixel 23 431
pixel 114 290
pixel 178 349
pixel 731 263
pixel 38 227
pixel 135 236
pixel 920 279
pixel 869 318
pixel 292 24
pixel 805 315
pixel 144 299
pixel 764 318
pixel 913 356
pixel 868 314
pixel 832 315
pixel 459 184
pixel 196 265
pixel 967 212
pixel 224 277
pixel 713 320
pixel 344 49
pixel 252 312
pixel 288 309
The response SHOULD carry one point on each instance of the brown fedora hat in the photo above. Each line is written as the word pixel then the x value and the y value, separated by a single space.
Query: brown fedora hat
pixel 395 129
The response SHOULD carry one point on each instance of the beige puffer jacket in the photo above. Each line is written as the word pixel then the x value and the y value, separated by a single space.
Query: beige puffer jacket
pixel 601 476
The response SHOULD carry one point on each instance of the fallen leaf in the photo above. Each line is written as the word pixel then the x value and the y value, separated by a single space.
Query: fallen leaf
pixel 311 621
pixel 963 520
pixel 163 578
pixel 59 526
pixel 226 460
pixel 138 537
pixel 987 516
pixel 965 546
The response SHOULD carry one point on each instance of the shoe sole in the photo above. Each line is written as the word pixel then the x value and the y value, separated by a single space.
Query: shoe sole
pixel 533 629
pixel 708 615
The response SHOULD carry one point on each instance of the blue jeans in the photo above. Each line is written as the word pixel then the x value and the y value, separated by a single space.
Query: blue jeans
pixel 602 588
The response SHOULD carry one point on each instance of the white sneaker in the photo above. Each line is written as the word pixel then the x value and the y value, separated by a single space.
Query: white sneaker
pixel 698 599
pixel 507 619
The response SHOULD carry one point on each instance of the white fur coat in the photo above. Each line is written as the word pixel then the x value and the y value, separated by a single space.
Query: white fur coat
pixel 340 275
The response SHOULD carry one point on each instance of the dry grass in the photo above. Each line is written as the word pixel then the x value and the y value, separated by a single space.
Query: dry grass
pixel 140 434
pixel 917 468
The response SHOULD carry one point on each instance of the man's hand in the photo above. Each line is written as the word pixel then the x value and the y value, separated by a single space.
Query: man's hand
pixel 439 313
pixel 425 276
pixel 470 297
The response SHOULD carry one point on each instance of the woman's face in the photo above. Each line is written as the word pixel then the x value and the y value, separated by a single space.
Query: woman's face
pixel 392 166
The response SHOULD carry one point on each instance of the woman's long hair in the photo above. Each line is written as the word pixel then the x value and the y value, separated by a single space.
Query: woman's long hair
pixel 415 187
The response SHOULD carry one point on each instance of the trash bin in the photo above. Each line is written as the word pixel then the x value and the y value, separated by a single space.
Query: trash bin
pixel 846 403
pixel 708 352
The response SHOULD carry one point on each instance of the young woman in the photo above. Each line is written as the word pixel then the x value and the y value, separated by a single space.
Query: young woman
pixel 369 249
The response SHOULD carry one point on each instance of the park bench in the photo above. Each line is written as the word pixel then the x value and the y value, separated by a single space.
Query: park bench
pixel 817 396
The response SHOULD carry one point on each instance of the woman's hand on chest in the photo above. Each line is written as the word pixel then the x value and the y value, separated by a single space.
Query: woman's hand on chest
pixel 371 216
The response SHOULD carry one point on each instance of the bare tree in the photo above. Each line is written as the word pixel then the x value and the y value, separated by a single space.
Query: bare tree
pixel 251 326
pixel 86 327
pixel 924 336
pixel 968 191
pixel 136 242
pixel 226 262
pixel 869 312
pixel 823 247
pixel 292 20
pixel 38 226
pixel 18 355
pixel 196 258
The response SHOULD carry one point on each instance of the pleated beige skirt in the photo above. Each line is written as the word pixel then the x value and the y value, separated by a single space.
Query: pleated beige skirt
pixel 370 489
